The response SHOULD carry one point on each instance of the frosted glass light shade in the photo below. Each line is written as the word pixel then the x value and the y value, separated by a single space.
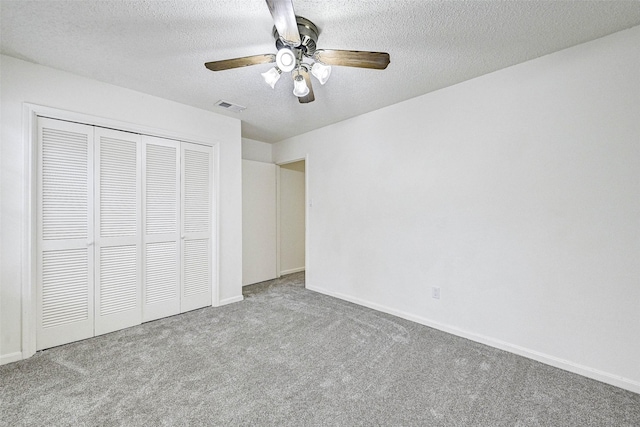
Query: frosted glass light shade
pixel 286 60
pixel 321 72
pixel 272 76
pixel 300 88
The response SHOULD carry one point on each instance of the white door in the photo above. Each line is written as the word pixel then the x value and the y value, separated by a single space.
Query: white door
pixel 259 244
pixel 196 206
pixel 65 283
pixel 161 228
pixel 118 230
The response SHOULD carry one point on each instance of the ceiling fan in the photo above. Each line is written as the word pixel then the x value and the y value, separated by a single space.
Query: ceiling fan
pixel 296 40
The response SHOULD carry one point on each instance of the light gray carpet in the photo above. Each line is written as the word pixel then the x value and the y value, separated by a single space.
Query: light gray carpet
pixel 287 356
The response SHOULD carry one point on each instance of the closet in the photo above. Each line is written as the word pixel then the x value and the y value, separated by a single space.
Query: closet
pixel 124 230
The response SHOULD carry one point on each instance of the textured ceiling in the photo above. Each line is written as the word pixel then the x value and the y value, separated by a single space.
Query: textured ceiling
pixel 159 48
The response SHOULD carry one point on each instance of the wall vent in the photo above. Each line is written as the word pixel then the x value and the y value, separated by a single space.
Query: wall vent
pixel 231 107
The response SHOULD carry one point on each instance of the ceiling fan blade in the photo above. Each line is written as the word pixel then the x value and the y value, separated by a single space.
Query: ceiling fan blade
pixel 353 58
pixel 310 97
pixel 227 64
pixel 284 18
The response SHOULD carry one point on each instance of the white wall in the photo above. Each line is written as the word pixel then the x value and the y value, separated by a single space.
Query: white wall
pixel 517 193
pixel 292 217
pixel 258 222
pixel 256 150
pixel 25 82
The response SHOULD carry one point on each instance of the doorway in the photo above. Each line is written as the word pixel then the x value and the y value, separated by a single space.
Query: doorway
pixel 291 217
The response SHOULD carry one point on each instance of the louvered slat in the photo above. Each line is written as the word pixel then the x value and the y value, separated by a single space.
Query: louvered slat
pixel 161 194
pixel 161 272
pixel 196 267
pixel 118 187
pixel 118 279
pixel 197 191
pixel 65 293
pixel 64 184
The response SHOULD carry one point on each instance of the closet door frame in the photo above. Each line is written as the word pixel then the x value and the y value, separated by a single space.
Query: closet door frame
pixel 30 114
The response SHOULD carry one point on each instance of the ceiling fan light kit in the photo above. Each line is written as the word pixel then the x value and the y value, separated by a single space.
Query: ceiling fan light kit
pixel 300 88
pixel 321 72
pixel 272 76
pixel 296 40
pixel 286 60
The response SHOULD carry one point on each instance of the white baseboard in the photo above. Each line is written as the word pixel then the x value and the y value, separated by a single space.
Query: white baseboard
pixel 11 357
pixel 291 271
pixel 567 365
pixel 230 300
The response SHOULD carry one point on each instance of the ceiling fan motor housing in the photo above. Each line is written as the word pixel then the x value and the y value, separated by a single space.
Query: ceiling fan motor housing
pixel 308 36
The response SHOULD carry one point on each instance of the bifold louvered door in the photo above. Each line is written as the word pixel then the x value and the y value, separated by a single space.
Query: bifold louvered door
pixel 196 194
pixel 118 208
pixel 65 252
pixel 161 228
pixel 124 230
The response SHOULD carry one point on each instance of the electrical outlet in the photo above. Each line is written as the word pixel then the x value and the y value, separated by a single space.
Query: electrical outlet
pixel 435 292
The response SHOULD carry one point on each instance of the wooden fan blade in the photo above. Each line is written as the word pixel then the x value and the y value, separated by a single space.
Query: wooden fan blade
pixel 310 97
pixel 353 58
pixel 284 18
pixel 227 64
